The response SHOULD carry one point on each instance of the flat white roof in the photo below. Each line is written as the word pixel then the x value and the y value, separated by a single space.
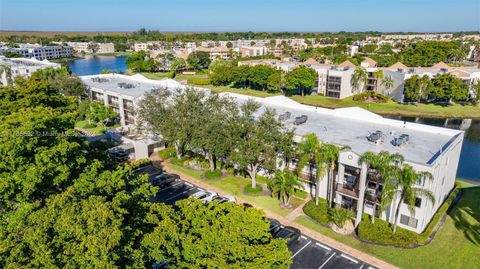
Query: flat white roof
pixel 344 126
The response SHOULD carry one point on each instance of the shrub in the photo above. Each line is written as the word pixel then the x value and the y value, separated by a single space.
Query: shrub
pixel 340 215
pixel 370 95
pixel 140 163
pixel 166 153
pixel 317 212
pixel 198 81
pixel 382 232
pixel 249 190
pixel 170 74
pixel 179 161
pixel 231 171
pixel 213 174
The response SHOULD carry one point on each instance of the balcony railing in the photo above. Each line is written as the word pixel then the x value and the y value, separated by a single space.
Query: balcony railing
pixel 348 189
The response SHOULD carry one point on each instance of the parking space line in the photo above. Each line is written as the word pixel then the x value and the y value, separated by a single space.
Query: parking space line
pixel 361 267
pixel 301 249
pixel 323 246
pixel 323 264
pixel 303 237
pixel 188 184
pixel 349 258
pixel 178 194
pixel 173 185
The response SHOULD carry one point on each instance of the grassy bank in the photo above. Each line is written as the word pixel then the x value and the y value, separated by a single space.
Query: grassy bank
pixel 234 186
pixel 456 245
pixel 393 108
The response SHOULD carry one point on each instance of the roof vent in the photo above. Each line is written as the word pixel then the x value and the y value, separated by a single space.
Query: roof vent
pixel 285 116
pixel 99 80
pixel 375 137
pixel 125 85
pixel 300 120
pixel 402 139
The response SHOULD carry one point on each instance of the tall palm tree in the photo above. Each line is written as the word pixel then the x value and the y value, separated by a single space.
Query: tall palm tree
pixel 387 82
pixel 383 166
pixel 7 69
pixel 284 184
pixel 310 153
pixel 330 155
pixel 378 76
pixel 405 183
pixel 359 77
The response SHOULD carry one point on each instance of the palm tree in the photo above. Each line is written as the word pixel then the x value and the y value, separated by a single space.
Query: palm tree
pixel 359 77
pixel 378 75
pixel 405 185
pixel 387 82
pixel 310 153
pixel 383 166
pixel 330 154
pixel 284 184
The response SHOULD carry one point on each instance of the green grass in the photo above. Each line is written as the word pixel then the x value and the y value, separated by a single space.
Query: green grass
pixel 245 91
pixel 393 108
pixel 91 129
pixel 235 186
pixel 456 245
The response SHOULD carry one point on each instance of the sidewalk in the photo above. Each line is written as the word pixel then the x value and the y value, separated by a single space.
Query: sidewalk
pixel 289 220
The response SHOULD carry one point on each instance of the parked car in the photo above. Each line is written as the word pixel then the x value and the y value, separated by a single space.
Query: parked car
pixel 163 180
pixel 223 199
pixel 275 226
pixel 205 196
pixel 291 234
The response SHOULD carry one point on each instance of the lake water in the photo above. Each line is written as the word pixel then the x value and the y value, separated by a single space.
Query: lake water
pixel 91 65
pixel 469 166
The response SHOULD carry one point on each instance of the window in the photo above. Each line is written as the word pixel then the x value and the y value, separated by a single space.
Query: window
pixel 418 202
pixel 408 221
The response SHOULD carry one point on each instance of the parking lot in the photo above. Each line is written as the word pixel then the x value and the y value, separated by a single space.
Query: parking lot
pixel 306 252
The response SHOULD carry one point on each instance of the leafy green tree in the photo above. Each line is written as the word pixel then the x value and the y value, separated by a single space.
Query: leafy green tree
pixel 383 167
pixel 284 184
pixel 405 183
pixel 93 47
pixel 198 60
pixel 476 92
pixel 198 235
pixel 221 72
pixel 274 82
pixel 417 88
pixel 259 141
pixel 302 78
pixel 140 62
pixel 100 113
pixel 164 61
pixel 448 87
pixel 179 64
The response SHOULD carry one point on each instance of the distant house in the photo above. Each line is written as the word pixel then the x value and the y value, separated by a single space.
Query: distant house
pixel 23 67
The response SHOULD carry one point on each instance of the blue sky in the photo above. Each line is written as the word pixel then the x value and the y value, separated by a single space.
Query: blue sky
pixel 241 15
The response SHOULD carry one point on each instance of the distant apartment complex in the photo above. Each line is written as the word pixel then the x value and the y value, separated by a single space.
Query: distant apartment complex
pixel 40 52
pixel 426 148
pixel 91 47
pixel 15 67
pixel 336 80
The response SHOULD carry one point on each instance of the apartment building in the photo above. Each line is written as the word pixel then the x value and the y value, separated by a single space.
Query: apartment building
pixel 146 46
pixel 223 53
pixel 40 52
pixel 15 67
pixel 253 51
pixel 86 47
pixel 426 148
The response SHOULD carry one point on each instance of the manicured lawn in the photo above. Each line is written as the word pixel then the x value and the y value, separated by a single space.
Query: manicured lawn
pixel 235 185
pixel 393 108
pixel 245 91
pixel 154 75
pixel 91 129
pixel 456 245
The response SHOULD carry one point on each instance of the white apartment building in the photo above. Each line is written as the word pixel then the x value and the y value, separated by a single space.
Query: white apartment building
pixel 40 52
pixel 253 51
pixel 146 46
pixel 430 149
pixel 15 67
pixel 85 47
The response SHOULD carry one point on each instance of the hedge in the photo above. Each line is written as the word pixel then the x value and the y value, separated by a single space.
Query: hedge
pixel 364 96
pixel 317 212
pixel 166 153
pixel 198 81
pixel 213 174
pixel 140 163
pixel 382 232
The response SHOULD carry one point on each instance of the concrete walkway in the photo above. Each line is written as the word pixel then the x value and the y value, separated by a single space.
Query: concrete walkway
pixel 288 221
